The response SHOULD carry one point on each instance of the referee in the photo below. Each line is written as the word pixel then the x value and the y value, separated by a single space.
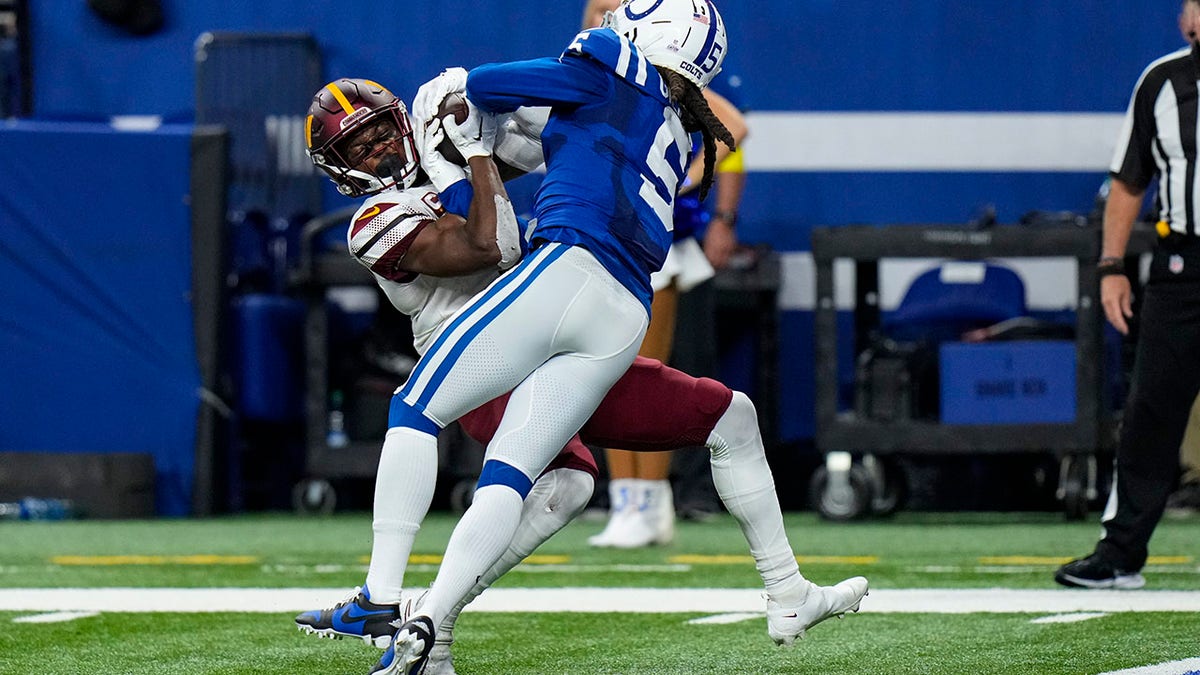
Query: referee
pixel 1158 140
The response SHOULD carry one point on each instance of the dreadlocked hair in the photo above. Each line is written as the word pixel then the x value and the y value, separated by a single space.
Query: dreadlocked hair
pixel 697 116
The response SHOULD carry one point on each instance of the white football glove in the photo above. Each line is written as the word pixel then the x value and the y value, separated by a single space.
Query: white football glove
pixel 442 173
pixel 475 136
pixel 431 94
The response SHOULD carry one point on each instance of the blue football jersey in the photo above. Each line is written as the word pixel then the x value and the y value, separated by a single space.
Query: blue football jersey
pixel 615 150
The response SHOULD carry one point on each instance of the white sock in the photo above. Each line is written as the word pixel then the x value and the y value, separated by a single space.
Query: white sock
pixel 643 491
pixel 744 482
pixel 403 491
pixel 556 498
pixel 622 495
pixel 477 544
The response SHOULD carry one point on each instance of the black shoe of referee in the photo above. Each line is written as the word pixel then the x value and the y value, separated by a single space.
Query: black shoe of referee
pixel 1095 571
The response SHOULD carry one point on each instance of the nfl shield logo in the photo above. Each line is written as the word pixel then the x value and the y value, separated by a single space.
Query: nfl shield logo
pixel 1175 264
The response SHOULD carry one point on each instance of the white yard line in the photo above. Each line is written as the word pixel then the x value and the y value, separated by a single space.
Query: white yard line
pixel 638 600
pixel 1074 617
pixel 732 617
pixel 1184 667
pixel 54 617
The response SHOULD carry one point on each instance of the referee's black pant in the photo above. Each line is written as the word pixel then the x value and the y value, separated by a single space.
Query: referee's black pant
pixel 1166 379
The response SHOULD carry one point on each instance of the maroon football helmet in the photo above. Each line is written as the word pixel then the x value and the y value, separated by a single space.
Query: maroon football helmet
pixel 352 120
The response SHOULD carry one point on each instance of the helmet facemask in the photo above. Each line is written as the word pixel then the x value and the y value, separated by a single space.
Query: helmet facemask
pixel 355 123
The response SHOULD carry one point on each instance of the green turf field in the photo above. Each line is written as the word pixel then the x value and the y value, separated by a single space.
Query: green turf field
pixel 910 553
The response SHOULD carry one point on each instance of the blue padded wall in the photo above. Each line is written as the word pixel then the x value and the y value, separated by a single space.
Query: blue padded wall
pixel 1074 57
pixel 97 352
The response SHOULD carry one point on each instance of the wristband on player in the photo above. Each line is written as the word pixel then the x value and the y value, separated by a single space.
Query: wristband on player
pixel 1110 265
pixel 727 216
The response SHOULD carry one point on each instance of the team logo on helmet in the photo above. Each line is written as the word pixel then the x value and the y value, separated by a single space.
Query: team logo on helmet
pixel 687 36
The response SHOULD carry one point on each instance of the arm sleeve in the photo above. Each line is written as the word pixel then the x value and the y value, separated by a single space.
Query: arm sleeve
pixel 564 81
pixel 457 198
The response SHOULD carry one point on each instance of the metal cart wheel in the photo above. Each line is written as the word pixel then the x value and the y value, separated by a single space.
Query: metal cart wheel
pixel 889 485
pixel 840 490
pixel 1077 485
pixel 314 496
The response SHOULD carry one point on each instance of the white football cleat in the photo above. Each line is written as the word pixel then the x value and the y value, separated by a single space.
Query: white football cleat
pixel 662 506
pixel 646 516
pixel 627 526
pixel 409 651
pixel 626 529
pixel 785 624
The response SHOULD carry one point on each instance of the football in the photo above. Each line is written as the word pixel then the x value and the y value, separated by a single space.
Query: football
pixel 454 104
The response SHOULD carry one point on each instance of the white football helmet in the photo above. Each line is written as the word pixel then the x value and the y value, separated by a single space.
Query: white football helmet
pixel 686 36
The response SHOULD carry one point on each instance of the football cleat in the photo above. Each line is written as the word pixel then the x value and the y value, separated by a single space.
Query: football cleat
pixel 1096 572
pixel 441 661
pixel 647 519
pixel 410 648
pixel 785 624
pixel 626 529
pixel 386 662
pixel 356 616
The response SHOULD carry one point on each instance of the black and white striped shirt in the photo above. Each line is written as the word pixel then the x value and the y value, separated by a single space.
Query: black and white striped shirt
pixel 1158 138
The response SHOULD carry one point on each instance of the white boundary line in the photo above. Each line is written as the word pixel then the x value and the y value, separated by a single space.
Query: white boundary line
pixel 1169 668
pixel 635 600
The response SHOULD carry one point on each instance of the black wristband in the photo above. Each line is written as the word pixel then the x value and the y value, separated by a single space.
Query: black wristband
pixel 728 216
pixel 1110 266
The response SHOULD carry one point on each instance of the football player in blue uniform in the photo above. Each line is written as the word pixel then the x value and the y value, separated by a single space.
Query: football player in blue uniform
pixel 641 502
pixel 566 322
pixel 432 257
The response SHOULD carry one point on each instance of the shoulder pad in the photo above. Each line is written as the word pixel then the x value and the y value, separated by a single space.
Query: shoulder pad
pixel 616 53
pixel 392 204
pixel 386 224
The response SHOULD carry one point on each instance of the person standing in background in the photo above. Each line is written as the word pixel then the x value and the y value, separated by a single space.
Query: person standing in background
pixel 1158 140
pixel 641 502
